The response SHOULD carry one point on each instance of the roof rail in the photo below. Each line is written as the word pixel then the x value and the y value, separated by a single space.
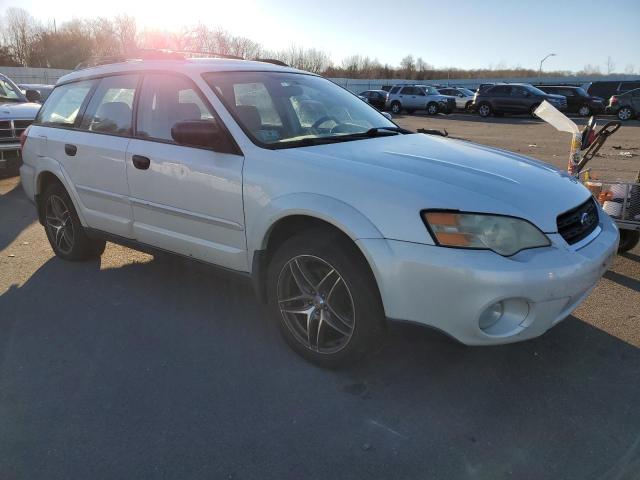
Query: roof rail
pixel 274 61
pixel 151 54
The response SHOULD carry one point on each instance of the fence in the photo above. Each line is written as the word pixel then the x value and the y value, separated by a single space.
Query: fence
pixel 47 76
pixel 51 75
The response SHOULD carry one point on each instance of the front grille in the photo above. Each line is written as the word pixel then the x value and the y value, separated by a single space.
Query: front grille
pixel 578 222
pixel 12 129
pixel 6 130
pixel 20 126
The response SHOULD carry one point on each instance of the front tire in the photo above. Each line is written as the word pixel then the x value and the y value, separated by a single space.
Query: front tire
pixel 65 233
pixel 432 108
pixel 628 240
pixel 325 299
pixel 625 113
pixel 396 108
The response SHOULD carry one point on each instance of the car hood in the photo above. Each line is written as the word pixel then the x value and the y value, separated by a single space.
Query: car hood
pixel 24 110
pixel 475 177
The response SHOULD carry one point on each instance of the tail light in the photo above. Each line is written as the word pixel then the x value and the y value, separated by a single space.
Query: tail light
pixel 23 138
pixel 613 100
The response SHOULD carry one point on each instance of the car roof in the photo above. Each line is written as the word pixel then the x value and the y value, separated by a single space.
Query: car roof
pixel 194 66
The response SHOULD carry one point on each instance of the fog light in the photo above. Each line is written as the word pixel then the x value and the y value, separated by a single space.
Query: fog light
pixel 491 316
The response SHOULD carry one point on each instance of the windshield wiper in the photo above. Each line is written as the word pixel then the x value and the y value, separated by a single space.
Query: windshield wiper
pixel 372 132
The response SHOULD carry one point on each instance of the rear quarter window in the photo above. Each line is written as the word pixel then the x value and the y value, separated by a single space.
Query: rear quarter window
pixel 64 103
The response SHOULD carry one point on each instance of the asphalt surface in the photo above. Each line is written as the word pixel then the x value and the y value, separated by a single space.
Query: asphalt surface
pixel 142 367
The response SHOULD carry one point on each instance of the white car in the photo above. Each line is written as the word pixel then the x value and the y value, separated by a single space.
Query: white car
pixel 463 96
pixel 341 218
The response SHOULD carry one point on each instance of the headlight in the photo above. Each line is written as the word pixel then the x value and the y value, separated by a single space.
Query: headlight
pixel 504 235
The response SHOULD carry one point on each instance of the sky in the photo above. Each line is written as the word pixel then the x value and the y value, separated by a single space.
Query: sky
pixel 465 33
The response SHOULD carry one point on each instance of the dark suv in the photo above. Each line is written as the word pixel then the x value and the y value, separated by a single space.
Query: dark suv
pixel 578 101
pixel 513 98
pixel 626 105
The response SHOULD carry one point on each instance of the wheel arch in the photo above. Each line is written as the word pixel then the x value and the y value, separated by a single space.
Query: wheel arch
pixel 294 213
pixel 47 174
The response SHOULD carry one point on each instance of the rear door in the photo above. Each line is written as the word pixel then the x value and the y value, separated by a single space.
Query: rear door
pixel 185 199
pixel 501 98
pixel 95 155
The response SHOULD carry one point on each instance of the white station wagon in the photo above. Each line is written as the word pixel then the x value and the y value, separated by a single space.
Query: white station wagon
pixel 342 219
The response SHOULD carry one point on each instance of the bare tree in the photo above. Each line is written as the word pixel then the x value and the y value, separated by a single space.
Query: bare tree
pixel 610 65
pixel 408 66
pixel 19 33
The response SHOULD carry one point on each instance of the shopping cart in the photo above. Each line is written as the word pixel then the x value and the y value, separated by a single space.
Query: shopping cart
pixel 621 200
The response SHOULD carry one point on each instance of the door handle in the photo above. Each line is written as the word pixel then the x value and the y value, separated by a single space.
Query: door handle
pixel 70 150
pixel 140 162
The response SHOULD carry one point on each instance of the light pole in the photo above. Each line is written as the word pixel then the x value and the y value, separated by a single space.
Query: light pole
pixel 540 69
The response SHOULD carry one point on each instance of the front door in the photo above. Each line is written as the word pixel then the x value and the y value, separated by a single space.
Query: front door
pixel 186 200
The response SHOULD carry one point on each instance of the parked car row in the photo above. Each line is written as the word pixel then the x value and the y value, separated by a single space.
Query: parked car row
pixel 617 98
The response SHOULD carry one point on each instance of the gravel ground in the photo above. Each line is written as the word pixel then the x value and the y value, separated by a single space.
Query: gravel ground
pixel 152 367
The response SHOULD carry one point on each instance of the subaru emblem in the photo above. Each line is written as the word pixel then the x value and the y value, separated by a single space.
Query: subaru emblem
pixel 585 219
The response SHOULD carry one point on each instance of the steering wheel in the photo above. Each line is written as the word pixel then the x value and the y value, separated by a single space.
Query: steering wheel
pixel 323 119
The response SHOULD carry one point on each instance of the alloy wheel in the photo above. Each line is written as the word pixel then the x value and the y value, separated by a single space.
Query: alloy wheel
pixel 316 304
pixel 59 223
pixel 484 110
pixel 432 109
pixel 584 111
pixel 624 113
pixel 395 108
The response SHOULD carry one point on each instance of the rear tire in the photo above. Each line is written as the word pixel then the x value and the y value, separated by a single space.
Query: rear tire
pixel 628 240
pixel 584 111
pixel 484 110
pixel 325 299
pixel 625 113
pixel 65 233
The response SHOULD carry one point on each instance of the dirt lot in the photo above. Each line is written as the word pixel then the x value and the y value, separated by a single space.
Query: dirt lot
pixel 149 367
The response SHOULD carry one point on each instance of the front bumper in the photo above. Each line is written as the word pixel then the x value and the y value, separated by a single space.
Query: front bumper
pixel 449 289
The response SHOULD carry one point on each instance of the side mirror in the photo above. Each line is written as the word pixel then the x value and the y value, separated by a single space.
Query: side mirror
pixel 33 95
pixel 197 133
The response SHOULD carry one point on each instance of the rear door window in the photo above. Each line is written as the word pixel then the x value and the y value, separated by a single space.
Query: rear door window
pixel 407 91
pixel 64 103
pixel 111 107
pixel 500 90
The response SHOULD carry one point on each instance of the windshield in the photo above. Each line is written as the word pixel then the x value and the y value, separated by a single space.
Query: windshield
pixel 278 109
pixel 535 91
pixel 9 91
pixel 467 92
pixel 581 92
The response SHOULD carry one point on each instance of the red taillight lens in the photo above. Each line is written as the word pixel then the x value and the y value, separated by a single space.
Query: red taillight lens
pixel 23 138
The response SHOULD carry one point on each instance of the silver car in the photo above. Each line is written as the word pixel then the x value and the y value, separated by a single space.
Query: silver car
pixel 419 97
